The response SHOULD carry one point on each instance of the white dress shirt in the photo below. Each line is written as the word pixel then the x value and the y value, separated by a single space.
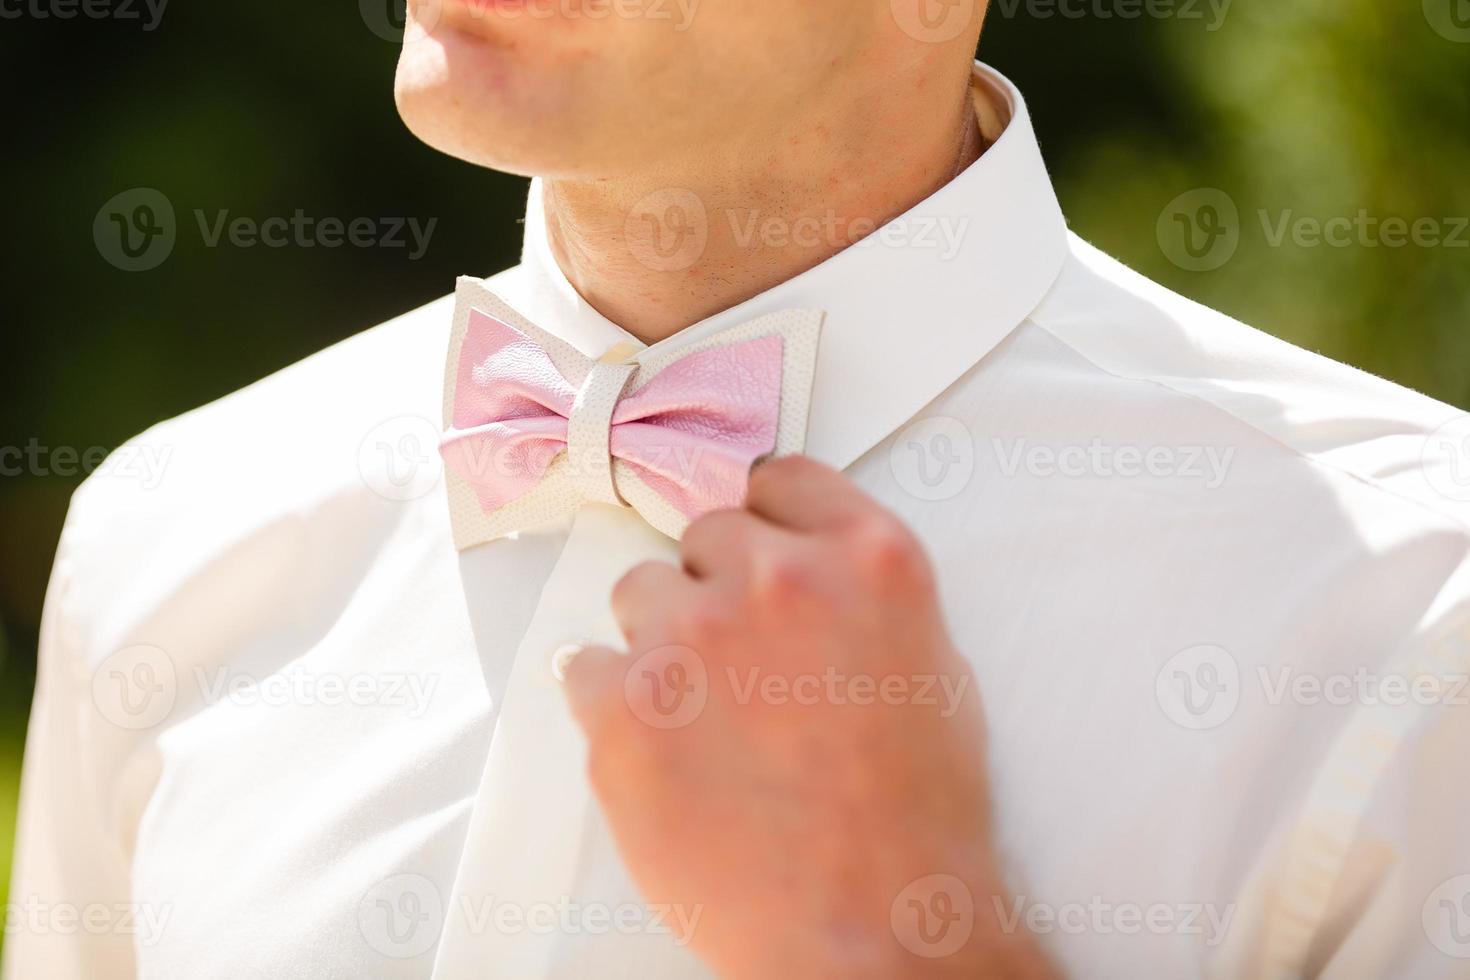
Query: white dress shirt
pixel 1215 590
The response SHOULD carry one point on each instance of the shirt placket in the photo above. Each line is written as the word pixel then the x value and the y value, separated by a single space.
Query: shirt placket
pixel 540 890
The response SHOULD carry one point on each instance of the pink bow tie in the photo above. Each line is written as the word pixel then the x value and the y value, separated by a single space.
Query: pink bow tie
pixel 536 428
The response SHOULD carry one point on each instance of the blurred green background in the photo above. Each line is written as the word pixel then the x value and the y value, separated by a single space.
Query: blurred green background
pixel 1294 109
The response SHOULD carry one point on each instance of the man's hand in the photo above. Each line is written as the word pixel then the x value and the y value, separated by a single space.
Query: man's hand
pixel 794 751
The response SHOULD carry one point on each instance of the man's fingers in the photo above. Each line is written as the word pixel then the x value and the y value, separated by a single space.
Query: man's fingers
pixel 593 680
pixel 722 544
pixel 642 598
pixel 799 493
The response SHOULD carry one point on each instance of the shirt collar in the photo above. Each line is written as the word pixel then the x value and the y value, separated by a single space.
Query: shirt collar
pixel 909 309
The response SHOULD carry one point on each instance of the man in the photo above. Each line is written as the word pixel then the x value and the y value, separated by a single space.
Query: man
pixel 588 702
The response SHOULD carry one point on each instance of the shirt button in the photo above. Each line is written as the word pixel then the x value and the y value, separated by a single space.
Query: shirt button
pixel 563 656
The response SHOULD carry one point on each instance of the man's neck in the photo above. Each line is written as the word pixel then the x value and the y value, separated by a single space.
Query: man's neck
pixel 657 253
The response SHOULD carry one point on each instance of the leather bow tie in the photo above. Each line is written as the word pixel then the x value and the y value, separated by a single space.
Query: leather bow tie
pixel 535 428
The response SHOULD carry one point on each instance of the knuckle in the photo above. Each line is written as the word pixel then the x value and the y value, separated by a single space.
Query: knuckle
pixel 705 622
pixel 783 580
pixel 888 552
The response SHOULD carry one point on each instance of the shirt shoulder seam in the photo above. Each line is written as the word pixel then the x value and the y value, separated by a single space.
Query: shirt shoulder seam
pixel 1461 524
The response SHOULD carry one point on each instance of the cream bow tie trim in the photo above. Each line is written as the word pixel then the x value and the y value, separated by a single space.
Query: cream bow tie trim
pixel 534 428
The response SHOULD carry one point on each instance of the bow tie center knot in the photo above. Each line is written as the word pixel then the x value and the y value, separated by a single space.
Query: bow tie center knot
pixel 589 430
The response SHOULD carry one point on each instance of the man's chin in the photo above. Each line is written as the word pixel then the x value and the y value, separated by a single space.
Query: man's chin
pixel 438 121
pixel 458 108
pixel 508 110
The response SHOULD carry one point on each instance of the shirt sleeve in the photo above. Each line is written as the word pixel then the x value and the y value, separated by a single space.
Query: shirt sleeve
pixel 1374 877
pixel 70 914
pixel 1401 902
